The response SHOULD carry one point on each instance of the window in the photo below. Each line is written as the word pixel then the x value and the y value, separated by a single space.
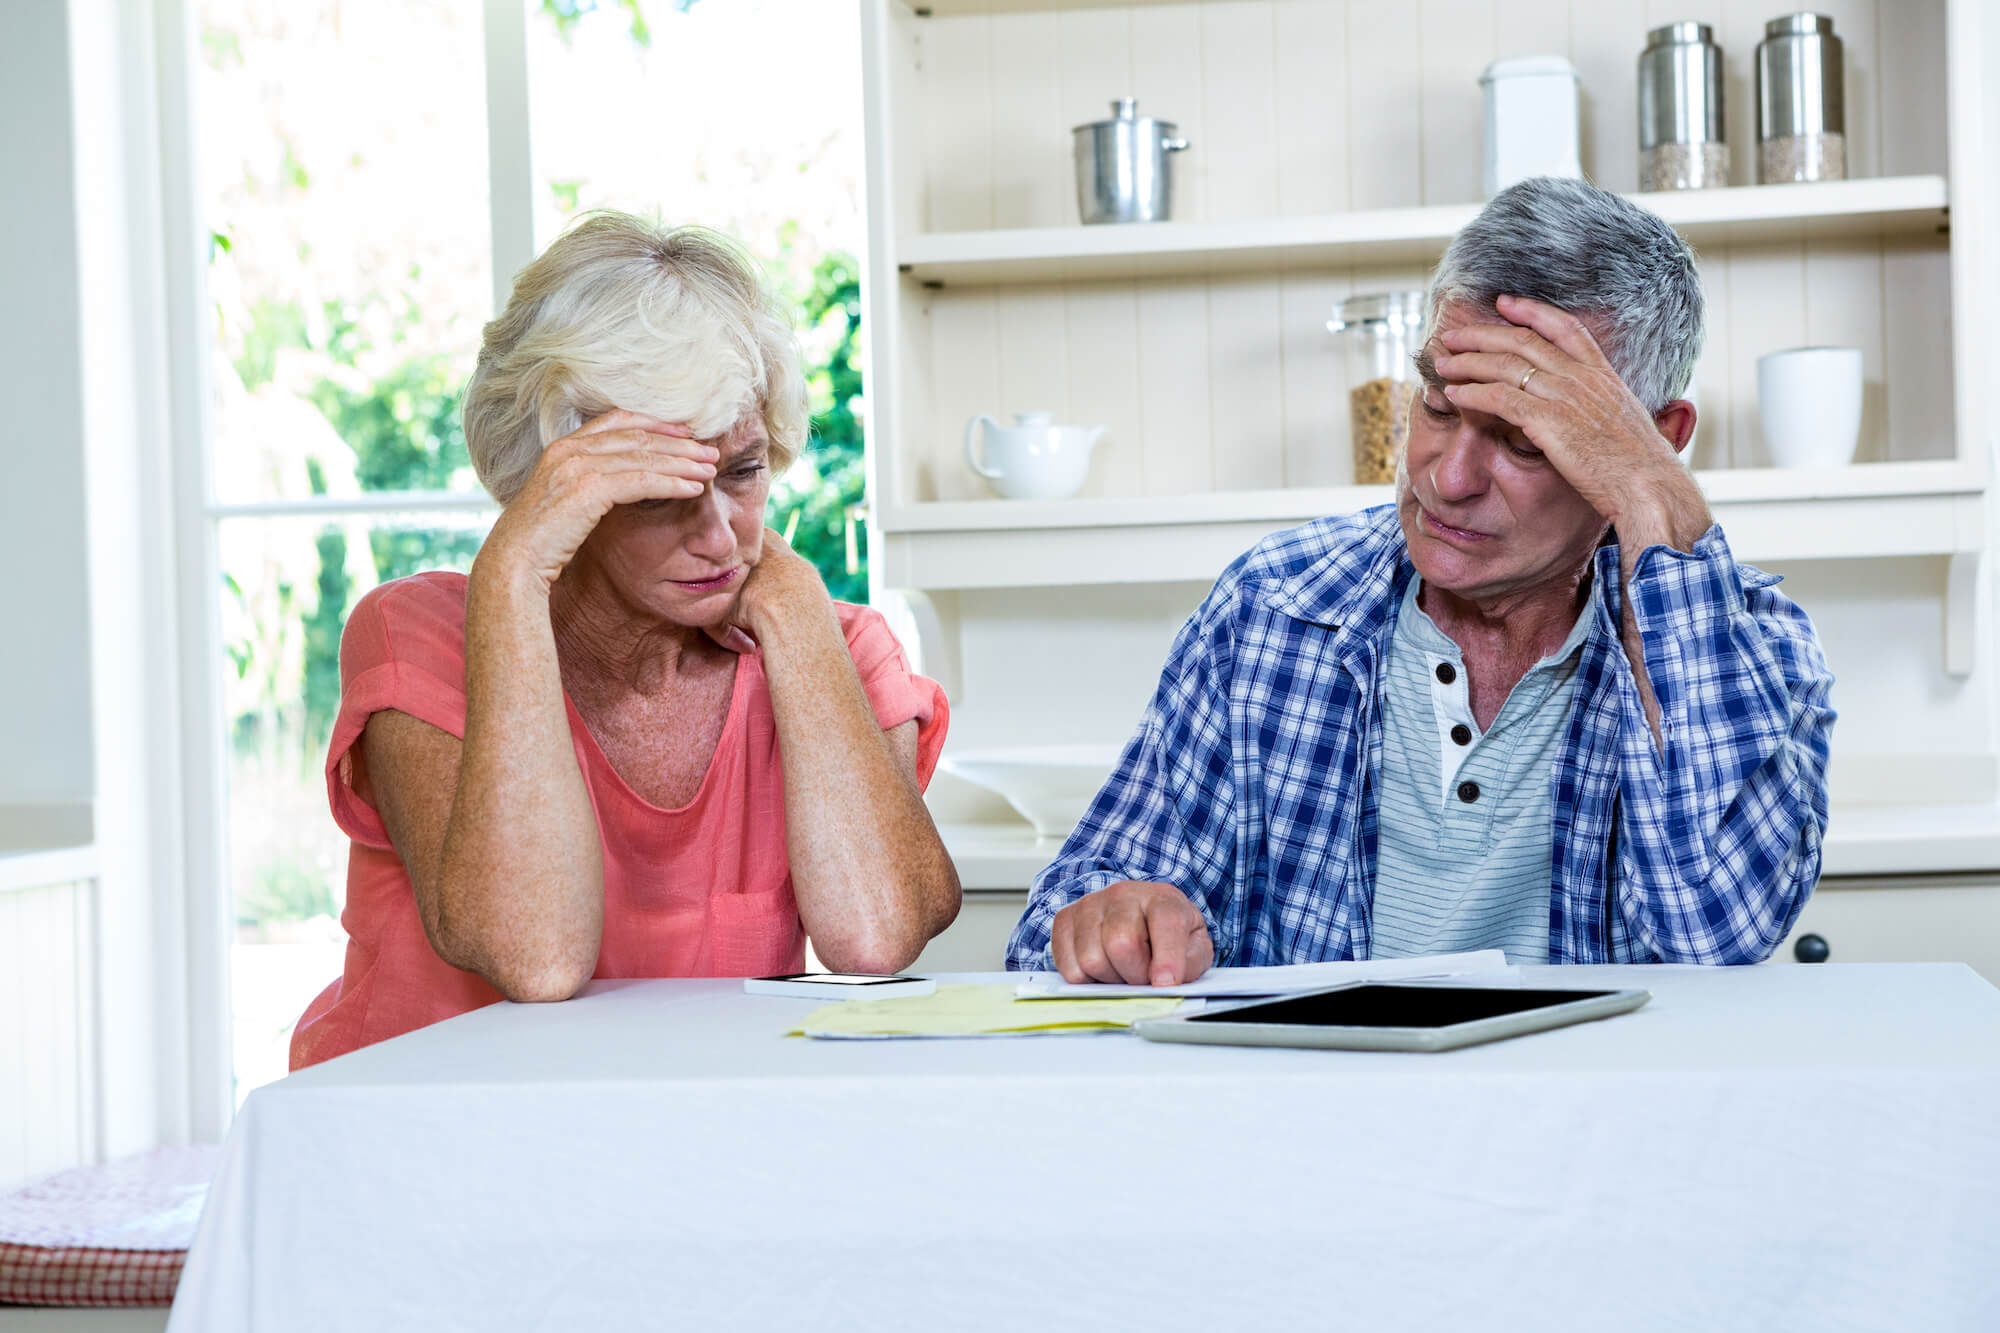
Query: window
pixel 344 149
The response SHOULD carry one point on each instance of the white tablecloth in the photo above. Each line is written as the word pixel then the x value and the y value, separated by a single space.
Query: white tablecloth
pixel 1758 1148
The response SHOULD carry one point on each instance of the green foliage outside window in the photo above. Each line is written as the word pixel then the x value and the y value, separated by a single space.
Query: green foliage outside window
pixel 819 505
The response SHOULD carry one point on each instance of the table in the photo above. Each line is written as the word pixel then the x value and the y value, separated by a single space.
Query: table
pixel 1758 1148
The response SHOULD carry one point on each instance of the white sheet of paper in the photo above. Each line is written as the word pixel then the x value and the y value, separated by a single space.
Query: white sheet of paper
pixel 1485 965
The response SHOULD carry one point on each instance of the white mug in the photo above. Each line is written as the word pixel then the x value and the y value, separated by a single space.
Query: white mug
pixel 1034 459
pixel 1809 400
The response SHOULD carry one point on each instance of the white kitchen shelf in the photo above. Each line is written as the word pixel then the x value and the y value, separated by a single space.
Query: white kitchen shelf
pixel 1900 205
pixel 1771 515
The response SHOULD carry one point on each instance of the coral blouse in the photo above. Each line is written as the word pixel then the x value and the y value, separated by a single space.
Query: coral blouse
pixel 703 890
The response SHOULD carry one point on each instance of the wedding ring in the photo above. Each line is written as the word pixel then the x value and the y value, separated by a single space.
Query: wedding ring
pixel 1527 375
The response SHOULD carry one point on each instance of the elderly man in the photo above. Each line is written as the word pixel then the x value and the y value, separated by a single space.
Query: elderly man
pixel 1535 705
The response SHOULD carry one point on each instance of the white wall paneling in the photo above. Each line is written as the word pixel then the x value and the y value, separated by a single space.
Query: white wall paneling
pixel 1454 36
pixel 1032 183
pixel 48 1116
pixel 1101 330
pixel 1174 386
pixel 1605 38
pixel 962 330
pixel 956 125
pixel 42 503
pixel 1319 443
pixel 1915 137
pixel 1919 380
pixel 1766 312
pixel 1310 100
pixel 1246 376
pixel 1239 112
pixel 1385 79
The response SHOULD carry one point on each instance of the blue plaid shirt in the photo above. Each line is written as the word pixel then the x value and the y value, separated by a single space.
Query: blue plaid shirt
pixel 1249 784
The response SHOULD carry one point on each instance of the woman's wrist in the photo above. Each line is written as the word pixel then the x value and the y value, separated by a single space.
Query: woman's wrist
pixel 499 571
pixel 785 615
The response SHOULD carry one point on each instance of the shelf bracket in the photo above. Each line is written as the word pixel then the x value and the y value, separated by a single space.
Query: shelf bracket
pixel 1961 612
pixel 934 618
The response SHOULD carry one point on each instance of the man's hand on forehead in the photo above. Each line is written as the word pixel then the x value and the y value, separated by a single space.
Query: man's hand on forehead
pixel 1544 373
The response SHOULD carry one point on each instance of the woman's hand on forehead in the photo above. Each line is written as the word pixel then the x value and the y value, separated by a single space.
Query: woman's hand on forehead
pixel 620 419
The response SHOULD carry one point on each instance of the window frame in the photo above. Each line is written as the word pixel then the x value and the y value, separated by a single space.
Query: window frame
pixel 207 909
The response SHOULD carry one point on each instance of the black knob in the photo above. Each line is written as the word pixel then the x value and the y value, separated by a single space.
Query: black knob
pixel 1810 949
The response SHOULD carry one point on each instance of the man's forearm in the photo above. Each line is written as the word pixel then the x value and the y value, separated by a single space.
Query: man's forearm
pixel 1664 510
pixel 1721 823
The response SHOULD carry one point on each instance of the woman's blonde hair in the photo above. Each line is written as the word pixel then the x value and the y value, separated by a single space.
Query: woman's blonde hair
pixel 625 313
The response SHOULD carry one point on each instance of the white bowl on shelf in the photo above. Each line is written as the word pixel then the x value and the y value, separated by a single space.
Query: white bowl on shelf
pixel 1051 785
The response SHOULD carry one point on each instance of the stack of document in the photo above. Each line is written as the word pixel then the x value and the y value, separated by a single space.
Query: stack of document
pixel 1058 1007
pixel 976 1011
pixel 1487 967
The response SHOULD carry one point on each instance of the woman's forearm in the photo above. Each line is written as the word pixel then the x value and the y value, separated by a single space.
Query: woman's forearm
pixel 521 897
pixel 873 880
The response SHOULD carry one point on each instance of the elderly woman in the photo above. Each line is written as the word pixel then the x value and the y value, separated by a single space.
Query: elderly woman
pixel 640 739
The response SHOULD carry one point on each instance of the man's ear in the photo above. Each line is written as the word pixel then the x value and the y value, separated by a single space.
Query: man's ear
pixel 1676 423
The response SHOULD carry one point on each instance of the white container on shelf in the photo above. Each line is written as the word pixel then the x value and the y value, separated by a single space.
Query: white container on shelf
pixel 1532 126
pixel 1033 459
pixel 1809 401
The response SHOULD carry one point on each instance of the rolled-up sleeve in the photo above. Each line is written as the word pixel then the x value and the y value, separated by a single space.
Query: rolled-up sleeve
pixel 1167 814
pixel 1722 821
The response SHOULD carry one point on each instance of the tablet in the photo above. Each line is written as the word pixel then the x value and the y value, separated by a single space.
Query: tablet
pixel 1383 1016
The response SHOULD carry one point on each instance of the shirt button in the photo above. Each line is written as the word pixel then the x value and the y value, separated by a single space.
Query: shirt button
pixel 1446 673
pixel 1461 734
pixel 1468 792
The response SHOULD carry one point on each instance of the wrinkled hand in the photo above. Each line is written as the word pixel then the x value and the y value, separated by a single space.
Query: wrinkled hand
pixel 614 459
pixel 781 583
pixel 1134 932
pixel 1575 409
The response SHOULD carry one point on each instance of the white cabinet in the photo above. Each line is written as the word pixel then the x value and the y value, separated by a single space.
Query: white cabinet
pixel 977 941
pixel 1927 919
pixel 1335 149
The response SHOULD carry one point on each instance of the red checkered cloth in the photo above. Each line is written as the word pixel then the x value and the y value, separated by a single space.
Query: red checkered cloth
pixel 112 1235
pixel 38 1275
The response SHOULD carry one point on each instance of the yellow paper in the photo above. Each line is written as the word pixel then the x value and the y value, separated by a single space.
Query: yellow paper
pixel 975 1011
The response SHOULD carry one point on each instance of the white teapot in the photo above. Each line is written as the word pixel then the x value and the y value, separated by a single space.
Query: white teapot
pixel 1034 459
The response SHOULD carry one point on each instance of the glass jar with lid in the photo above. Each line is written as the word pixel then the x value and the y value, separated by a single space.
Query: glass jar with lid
pixel 1382 331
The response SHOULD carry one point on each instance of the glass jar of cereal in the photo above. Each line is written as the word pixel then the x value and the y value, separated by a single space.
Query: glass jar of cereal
pixel 1382 331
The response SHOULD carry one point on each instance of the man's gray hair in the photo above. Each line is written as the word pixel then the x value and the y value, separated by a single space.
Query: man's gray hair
pixel 1598 256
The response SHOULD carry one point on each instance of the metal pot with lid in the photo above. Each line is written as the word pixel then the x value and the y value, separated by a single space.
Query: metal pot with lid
pixel 1123 171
